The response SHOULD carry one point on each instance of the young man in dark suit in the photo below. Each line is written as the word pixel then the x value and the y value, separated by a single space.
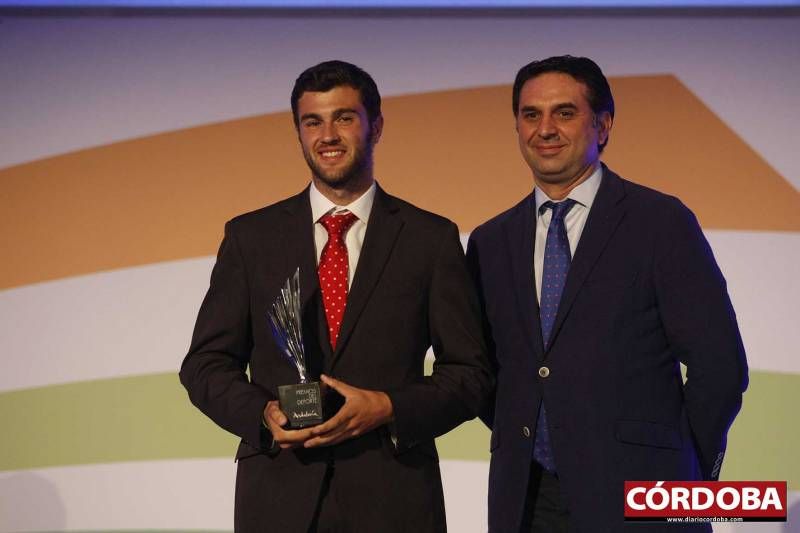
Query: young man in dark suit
pixel 595 289
pixel 381 281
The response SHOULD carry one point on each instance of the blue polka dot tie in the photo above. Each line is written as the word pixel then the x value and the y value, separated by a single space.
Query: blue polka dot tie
pixel 556 265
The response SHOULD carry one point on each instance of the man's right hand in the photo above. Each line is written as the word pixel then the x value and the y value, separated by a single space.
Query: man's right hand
pixel 285 438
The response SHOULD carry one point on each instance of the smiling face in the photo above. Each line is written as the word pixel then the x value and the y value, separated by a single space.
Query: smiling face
pixel 558 132
pixel 337 139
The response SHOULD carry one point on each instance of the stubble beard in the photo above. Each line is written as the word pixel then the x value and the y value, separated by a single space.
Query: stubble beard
pixel 360 165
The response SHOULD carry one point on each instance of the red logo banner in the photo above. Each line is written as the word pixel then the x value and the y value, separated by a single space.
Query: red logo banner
pixel 705 501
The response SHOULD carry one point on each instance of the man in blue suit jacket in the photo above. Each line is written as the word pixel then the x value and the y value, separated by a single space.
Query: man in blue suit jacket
pixel 594 290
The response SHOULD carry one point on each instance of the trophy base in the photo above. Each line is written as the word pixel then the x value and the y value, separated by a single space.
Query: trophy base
pixel 302 404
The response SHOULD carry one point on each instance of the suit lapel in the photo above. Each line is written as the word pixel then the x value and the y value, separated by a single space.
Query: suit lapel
pixel 300 251
pixel 383 228
pixel 521 231
pixel 604 217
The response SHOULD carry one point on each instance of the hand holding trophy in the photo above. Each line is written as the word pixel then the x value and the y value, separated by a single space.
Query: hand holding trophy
pixel 301 402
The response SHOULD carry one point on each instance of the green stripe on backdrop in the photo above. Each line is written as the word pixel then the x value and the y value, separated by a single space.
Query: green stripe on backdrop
pixel 150 418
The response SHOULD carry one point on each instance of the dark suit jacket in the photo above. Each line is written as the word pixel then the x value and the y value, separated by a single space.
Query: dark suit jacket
pixel 411 290
pixel 643 293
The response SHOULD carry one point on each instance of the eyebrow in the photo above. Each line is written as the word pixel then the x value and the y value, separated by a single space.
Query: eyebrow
pixel 307 116
pixel 342 111
pixel 558 107
pixel 566 105
pixel 336 114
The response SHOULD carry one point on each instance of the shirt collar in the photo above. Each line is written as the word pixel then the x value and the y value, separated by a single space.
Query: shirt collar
pixel 584 193
pixel 360 207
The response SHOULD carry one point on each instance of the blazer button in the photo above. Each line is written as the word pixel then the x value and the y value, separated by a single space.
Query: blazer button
pixel 544 372
pixel 525 431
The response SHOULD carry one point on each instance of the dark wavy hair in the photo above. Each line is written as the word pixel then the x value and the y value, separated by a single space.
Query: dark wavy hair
pixel 331 74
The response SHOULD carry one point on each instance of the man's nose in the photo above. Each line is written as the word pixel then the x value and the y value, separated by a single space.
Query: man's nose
pixel 330 134
pixel 547 128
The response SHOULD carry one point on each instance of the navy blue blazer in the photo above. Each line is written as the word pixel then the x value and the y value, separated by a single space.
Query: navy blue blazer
pixel 643 294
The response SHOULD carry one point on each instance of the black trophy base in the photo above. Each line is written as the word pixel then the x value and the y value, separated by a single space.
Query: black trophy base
pixel 301 403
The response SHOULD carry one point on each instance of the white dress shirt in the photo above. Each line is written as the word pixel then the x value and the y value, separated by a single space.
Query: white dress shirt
pixel 575 220
pixel 354 237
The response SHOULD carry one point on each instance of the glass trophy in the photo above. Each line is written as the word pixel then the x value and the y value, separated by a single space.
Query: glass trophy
pixel 301 402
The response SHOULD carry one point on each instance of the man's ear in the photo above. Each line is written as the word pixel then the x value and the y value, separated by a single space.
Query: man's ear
pixel 377 129
pixel 604 123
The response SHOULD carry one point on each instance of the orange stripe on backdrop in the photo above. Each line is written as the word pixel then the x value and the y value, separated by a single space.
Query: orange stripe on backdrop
pixel 166 196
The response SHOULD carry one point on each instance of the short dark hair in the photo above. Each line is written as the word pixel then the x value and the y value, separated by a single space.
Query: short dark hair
pixel 582 69
pixel 331 74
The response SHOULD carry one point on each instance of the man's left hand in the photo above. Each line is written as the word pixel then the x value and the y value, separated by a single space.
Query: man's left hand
pixel 363 411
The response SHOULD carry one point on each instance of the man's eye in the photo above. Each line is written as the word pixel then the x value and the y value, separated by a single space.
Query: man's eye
pixel 564 113
pixel 345 119
pixel 530 115
pixel 311 123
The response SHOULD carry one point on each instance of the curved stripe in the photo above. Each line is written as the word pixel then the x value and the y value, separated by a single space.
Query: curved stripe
pixel 166 197
pixel 144 75
pixel 466 485
pixel 139 320
pixel 149 418
pixel 133 419
pixel 174 496
pixel 761 271
pixel 194 496
pixel 107 325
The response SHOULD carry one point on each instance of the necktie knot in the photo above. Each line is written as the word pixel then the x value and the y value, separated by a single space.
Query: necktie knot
pixel 560 209
pixel 336 225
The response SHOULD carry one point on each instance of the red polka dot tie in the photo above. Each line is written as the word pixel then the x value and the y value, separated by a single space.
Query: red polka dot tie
pixel 332 271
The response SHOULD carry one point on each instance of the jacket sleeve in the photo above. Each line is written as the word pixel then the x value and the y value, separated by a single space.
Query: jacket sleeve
pixel 214 370
pixel 701 329
pixel 461 381
pixel 474 268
